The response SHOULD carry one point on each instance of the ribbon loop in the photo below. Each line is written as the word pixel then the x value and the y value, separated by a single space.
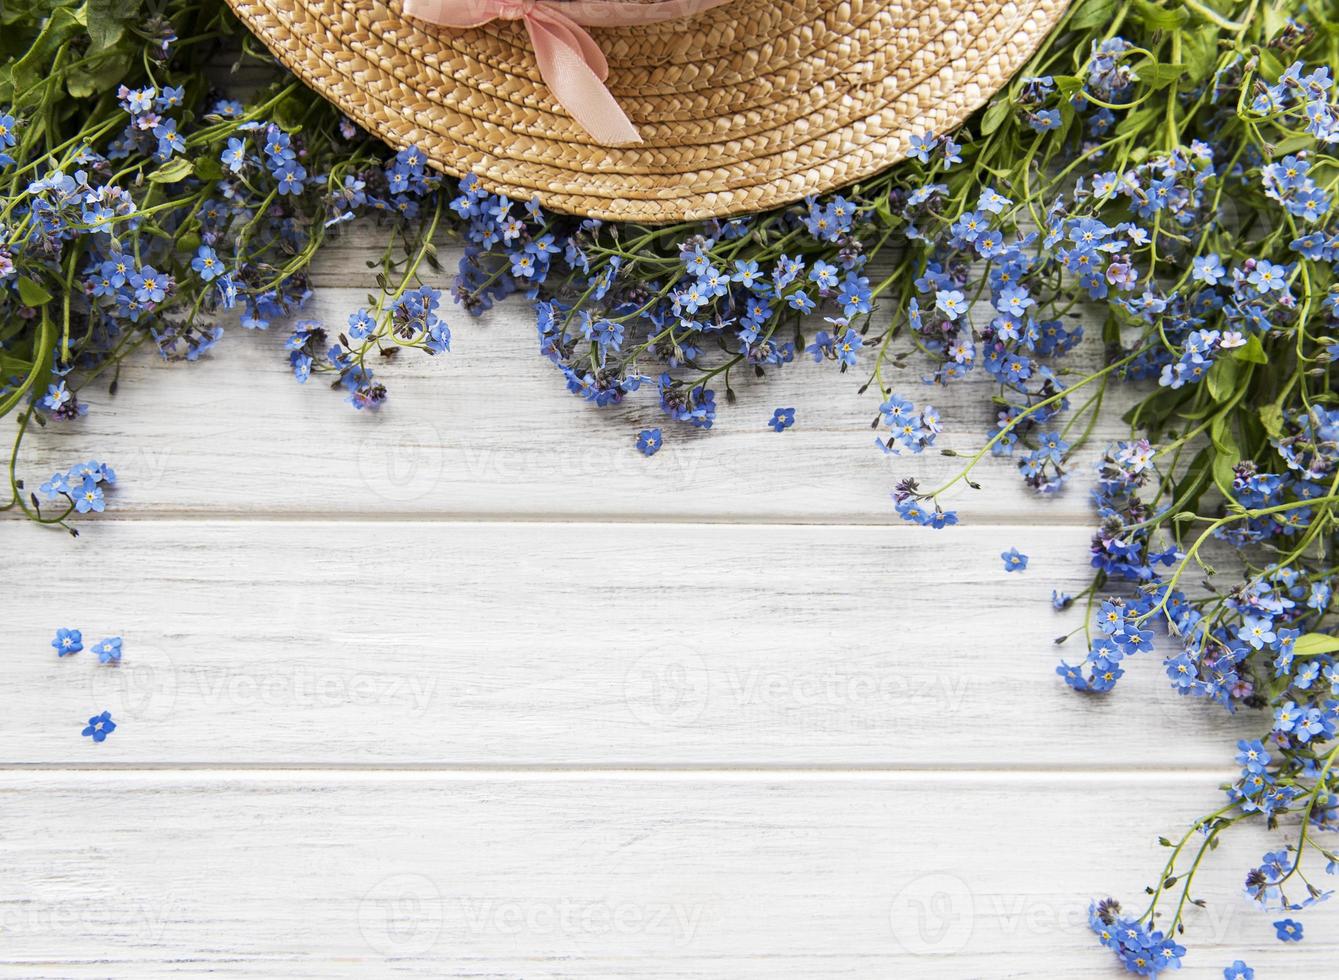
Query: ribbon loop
pixel 570 62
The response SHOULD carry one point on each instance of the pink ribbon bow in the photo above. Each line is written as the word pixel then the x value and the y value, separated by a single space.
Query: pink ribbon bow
pixel 570 62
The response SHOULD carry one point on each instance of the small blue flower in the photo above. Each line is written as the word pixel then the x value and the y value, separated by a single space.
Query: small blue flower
pixel 234 155
pixel 649 441
pixel 1208 269
pixel 1288 930
pixel 89 497
pixel 1014 560
pixel 206 262
pixel 922 146
pixel 149 284
pixel 848 346
pixel 1267 276
pixel 360 324
pixel 1238 971
pixel 100 726
pixel 170 98
pixel 57 395
pixel 951 302
pixel 782 419
pixel 67 642
pixel 169 140
pixel 291 175
pixel 108 650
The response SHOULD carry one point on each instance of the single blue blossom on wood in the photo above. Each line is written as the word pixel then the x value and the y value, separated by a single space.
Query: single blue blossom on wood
pixel 361 324
pixel 99 727
pixel 67 641
pixel 1014 560
pixel 649 441
pixel 1238 971
pixel 782 419
pixel 108 650
pixel 1288 930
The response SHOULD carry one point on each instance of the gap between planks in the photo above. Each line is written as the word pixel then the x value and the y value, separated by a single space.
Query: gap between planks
pixel 973 520
pixel 949 774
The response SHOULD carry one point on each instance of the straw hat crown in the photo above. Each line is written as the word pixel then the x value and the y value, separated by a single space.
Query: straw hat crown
pixel 731 106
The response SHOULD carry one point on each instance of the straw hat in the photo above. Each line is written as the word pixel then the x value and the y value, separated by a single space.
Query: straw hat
pixel 739 105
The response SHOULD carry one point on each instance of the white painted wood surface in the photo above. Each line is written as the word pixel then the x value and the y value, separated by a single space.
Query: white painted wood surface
pixel 471 689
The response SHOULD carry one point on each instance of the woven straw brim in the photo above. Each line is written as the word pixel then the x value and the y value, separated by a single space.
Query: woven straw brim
pixel 746 106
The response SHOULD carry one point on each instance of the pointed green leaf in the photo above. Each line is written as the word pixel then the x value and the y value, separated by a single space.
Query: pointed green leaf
pixel 31 293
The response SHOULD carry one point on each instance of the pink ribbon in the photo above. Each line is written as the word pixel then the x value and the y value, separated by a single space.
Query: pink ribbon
pixel 570 62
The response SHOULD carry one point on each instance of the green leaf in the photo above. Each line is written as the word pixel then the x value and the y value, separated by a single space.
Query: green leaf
pixel 174 170
pixel 32 293
pixel 208 169
pixel 107 20
pixel 1275 19
pixel 1138 120
pixel 1158 19
pixel 1159 76
pixel 1228 456
pixel 1067 84
pixel 1221 436
pixel 1292 144
pixel 62 26
pixel 1310 644
pixel 1251 352
pixel 994 116
pixel 1092 13
pixel 1222 379
pixel 1199 52
pixel 1224 472
pixel 1271 417
pixel 1270 65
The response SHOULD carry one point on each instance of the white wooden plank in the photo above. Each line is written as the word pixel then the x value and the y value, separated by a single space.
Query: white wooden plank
pixel 491 430
pixel 627 875
pixel 572 644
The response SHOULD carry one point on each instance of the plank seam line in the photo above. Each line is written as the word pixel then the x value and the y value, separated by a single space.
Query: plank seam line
pixel 983 522
pixel 411 771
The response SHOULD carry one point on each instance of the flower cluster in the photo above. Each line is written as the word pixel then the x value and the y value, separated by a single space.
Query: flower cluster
pixel 1141 950
pixel 82 488
pixel 1177 187
pixel 170 210
pixel 68 642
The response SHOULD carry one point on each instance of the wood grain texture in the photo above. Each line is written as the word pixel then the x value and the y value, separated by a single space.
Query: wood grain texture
pixel 624 875
pixel 574 644
pixel 490 431
pixel 471 689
